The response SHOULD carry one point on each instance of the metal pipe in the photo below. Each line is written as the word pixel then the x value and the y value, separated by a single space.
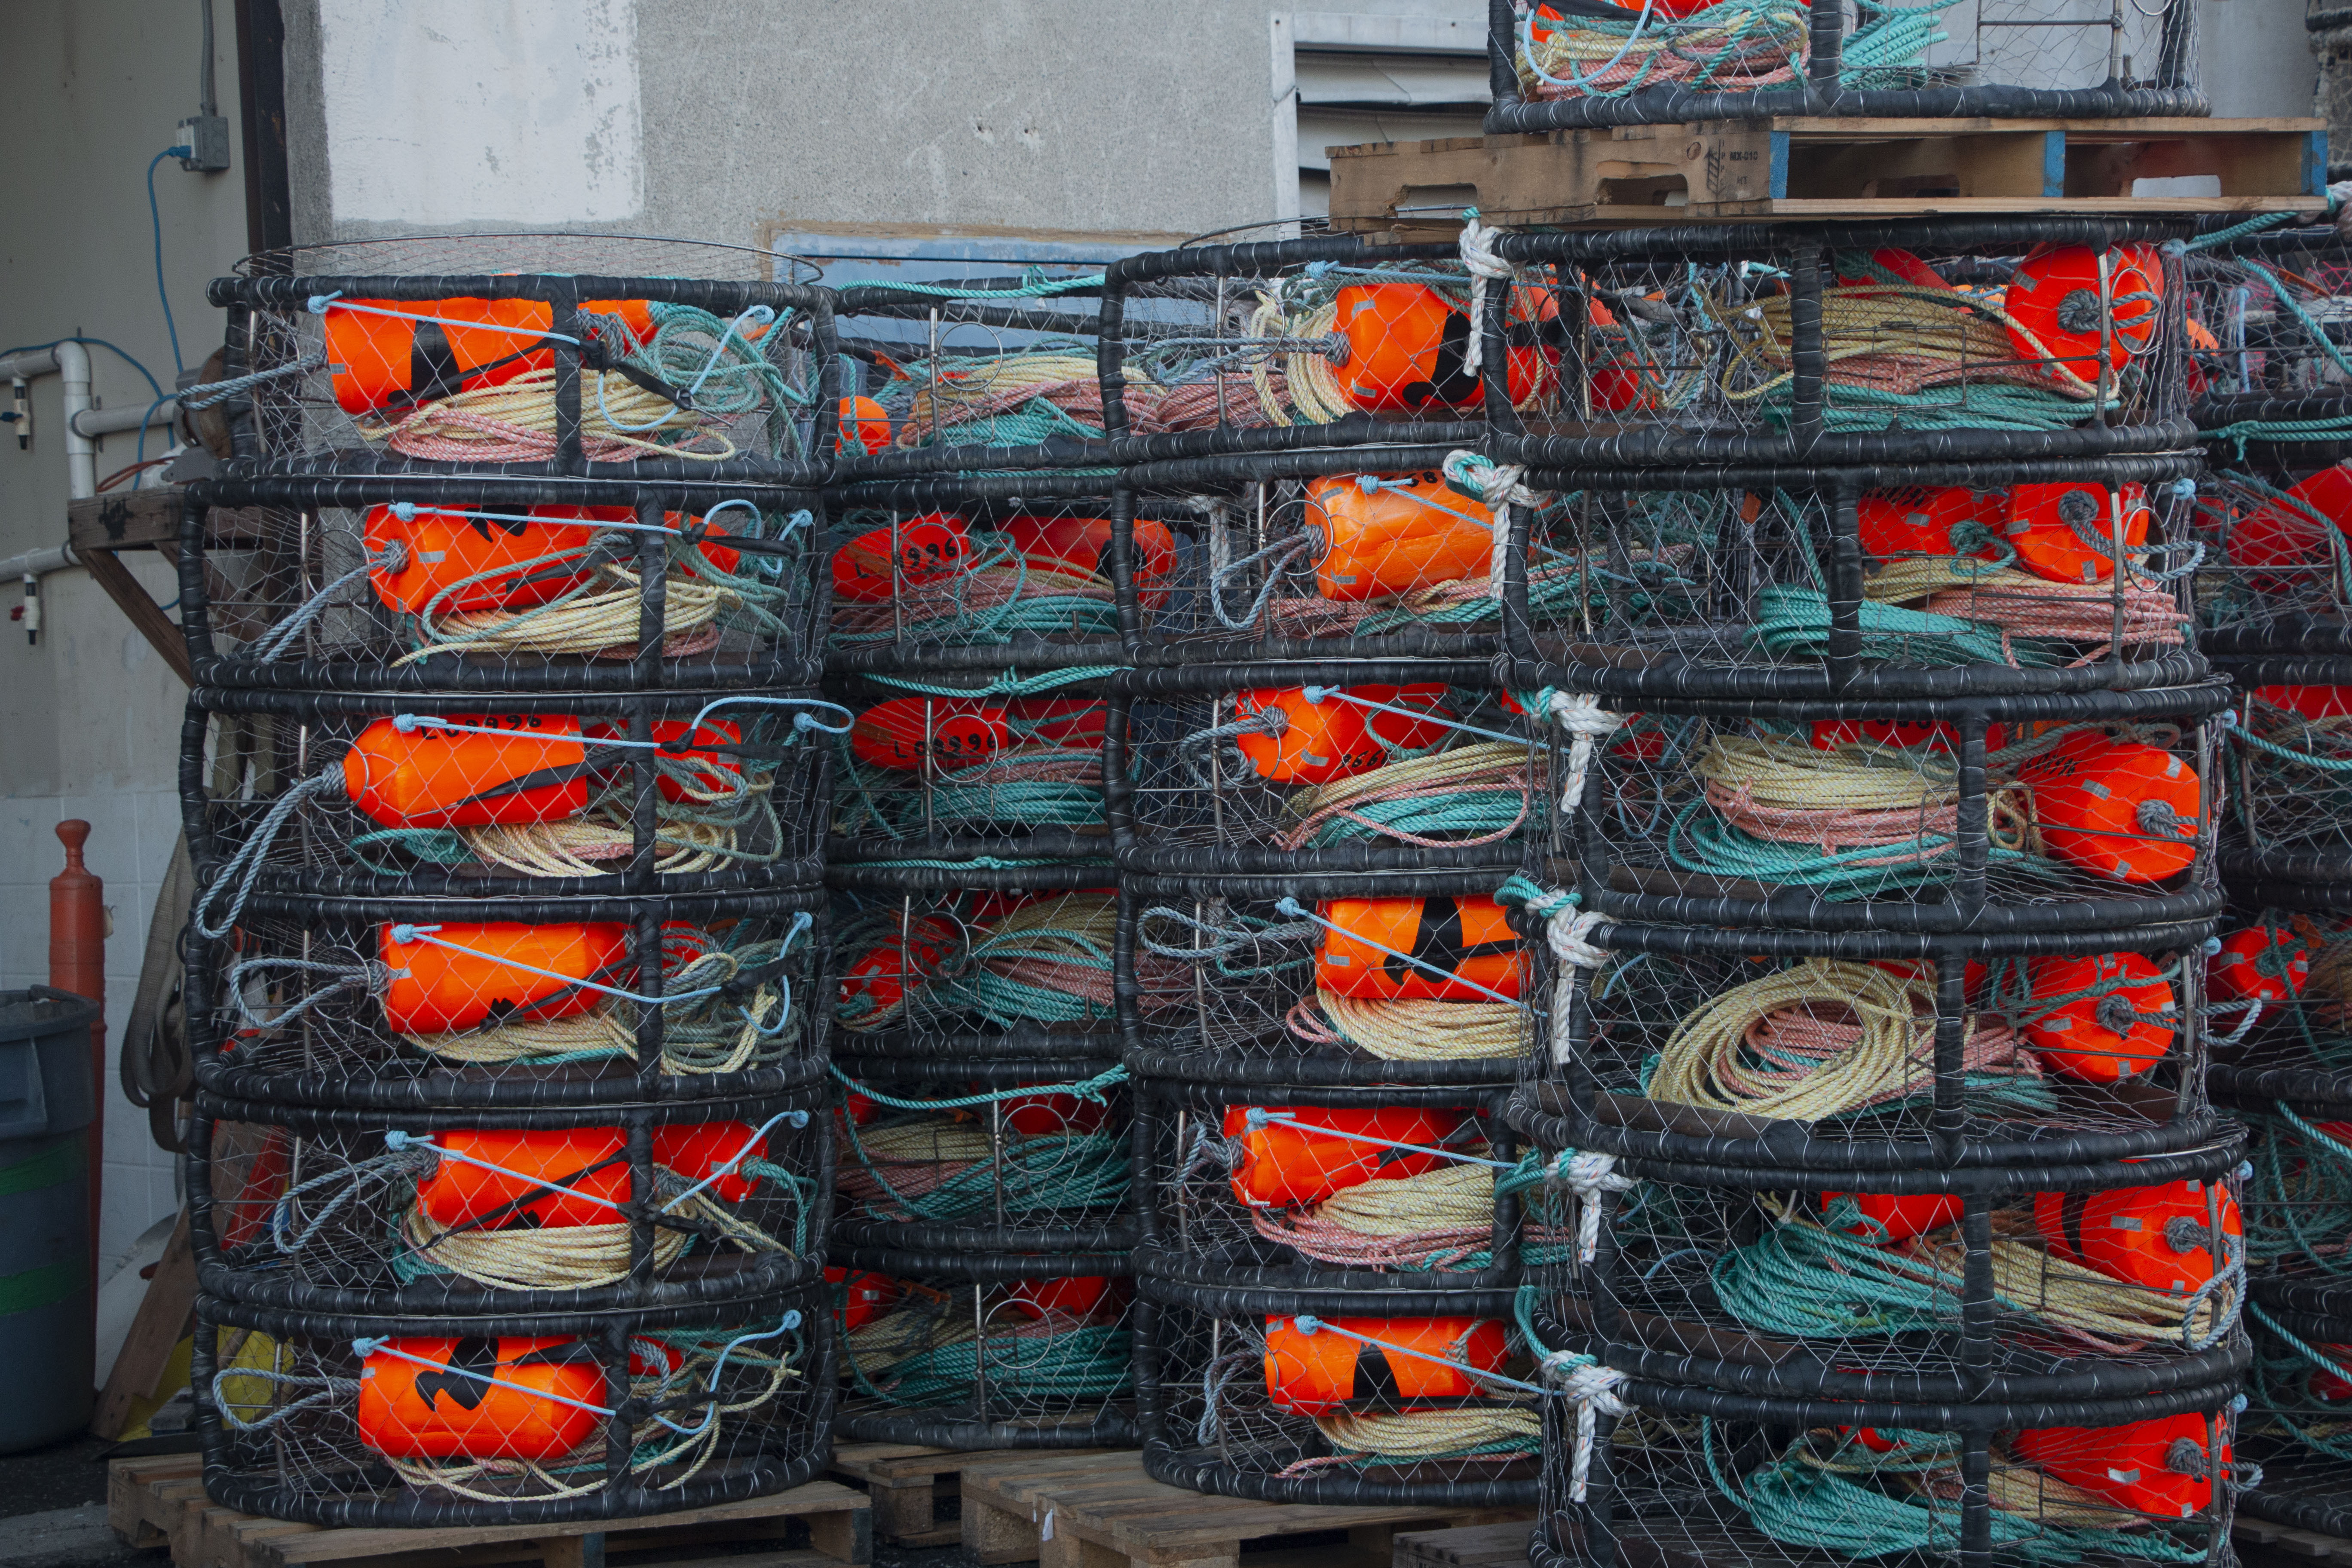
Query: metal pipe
pixel 96 422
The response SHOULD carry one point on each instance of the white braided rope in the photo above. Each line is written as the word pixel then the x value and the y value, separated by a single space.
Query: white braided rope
pixel 1484 267
pixel 1497 486
pixel 1592 1388
pixel 1587 1176
pixel 1587 723
pixel 1569 932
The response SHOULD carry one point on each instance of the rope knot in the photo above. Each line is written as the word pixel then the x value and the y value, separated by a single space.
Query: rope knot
pixel 1587 1175
pixel 1570 933
pixel 1484 265
pixel 1495 484
pixel 1592 1389
pixel 1581 714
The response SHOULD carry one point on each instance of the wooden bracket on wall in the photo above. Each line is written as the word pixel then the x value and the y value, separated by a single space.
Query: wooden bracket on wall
pixel 99 527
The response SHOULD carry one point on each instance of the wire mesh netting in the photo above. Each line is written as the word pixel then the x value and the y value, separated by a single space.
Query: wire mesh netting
pixel 2276 572
pixel 407 1421
pixel 954 763
pixel 2045 338
pixel 1361 981
pixel 529 354
pixel 981 1352
pixel 1008 972
pixel 1297 1189
pixel 506 1213
pixel 959 1155
pixel 2098 818
pixel 1328 767
pixel 406 1005
pixel 538 797
pixel 1980 577
pixel 2268 316
pixel 460 585
pixel 1423 1397
pixel 2295 1427
pixel 1562 63
pixel 947 574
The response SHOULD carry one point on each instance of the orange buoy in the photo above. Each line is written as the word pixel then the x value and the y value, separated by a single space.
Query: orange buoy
pixel 2094 1037
pixel 1281 1165
pixel 2054 303
pixel 1071 723
pixel 2281 534
pixel 2155 1236
pixel 861 1295
pixel 1317 1374
pixel 928 550
pixel 2119 809
pixel 2161 1467
pixel 862 423
pixel 1084 542
pixel 436 990
pixel 1931 522
pixel 1901 264
pixel 1076 1297
pixel 591 1163
pixel 380 360
pixel 1408 349
pixel 1467 941
pixel 1376 537
pixel 535 770
pixel 1046 1115
pixel 2311 702
pixel 879 974
pixel 1318 742
pixel 502 565
pixel 1888 1217
pixel 2325 1385
pixel 713 769
pixel 696 1149
pixel 2048 525
pixel 2261 963
pixel 546 1401
pixel 905 732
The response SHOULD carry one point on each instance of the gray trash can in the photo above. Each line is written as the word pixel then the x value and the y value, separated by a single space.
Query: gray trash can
pixel 45 1163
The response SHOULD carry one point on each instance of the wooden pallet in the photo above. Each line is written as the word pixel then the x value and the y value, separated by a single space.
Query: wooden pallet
pixel 1470 1546
pixel 161 1502
pixel 1103 1511
pixel 1794 167
pixel 908 1481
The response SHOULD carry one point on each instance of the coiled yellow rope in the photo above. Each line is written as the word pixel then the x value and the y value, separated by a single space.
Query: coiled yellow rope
pixel 593 623
pixel 1488 768
pixel 1409 1436
pixel 1415 1029
pixel 1918 336
pixel 517 418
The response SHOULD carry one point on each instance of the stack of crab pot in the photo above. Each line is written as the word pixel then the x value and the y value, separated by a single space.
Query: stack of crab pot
pixel 2274 402
pixel 1869 933
pixel 1317 791
pixel 982 1234
pixel 509 1173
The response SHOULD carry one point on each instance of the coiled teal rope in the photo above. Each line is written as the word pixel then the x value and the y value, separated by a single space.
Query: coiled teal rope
pixel 1090 1361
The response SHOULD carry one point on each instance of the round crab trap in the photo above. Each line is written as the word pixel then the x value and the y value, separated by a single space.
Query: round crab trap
pixel 481 585
pixel 507 1210
pixel 1324 1189
pixel 959 1156
pixel 1325 767
pixel 544 796
pixel 2294 1426
pixel 984 1350
pixel 1294 343
pixel 528 354
pixel 959 376
pixel 1923 341
pixel 2269 377
pixel 955 765
pixel 984 960
pixel 2279 993
pixel 2091 811
pixel 1684 1476
pixel 1364 551
pixel 1922 1287
pixel 2287 750
pixel 974 575
pixel 407 1006
pixel 1420 1397
pixel 1789 1051
pixel 511 1419
pixel 2275 584
pixel 1559 64
pixel 1390 979
pixel 1910 580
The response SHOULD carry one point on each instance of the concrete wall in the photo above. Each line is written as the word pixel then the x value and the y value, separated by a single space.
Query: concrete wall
pixel 89 719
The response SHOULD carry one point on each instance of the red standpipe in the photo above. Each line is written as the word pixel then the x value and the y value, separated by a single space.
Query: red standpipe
pixel 78 964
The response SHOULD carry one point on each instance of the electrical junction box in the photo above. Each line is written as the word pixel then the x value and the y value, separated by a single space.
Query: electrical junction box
pixel 207 137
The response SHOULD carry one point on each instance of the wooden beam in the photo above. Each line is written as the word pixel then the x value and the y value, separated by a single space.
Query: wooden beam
pixel 145 614
pixel 161 1318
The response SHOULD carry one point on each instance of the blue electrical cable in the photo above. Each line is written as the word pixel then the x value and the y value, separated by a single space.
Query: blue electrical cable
pixel 156 214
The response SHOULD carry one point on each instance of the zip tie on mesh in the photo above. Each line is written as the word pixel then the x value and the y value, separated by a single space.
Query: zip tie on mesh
pixel 1316 695
pixel 1089 1090
pixel 1484 265
pixel 1310 1326
pixel 1257 1116
pixel 1291 907
pixel 367 976
pixel 1227 939
pixel 221 391
pixel 1592 1388
pixel 320 304
pixel 286 631
pixel 244 868
pixel 404 934
pixel 1588 1175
